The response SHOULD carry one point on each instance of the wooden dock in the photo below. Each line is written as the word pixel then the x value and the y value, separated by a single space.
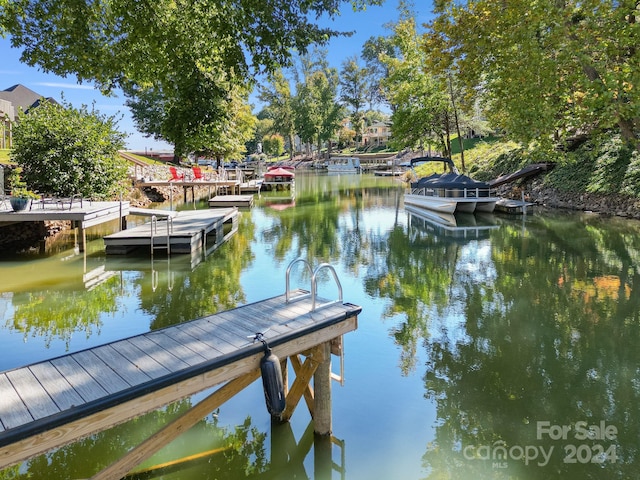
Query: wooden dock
pixel 184 232
pixel 52 403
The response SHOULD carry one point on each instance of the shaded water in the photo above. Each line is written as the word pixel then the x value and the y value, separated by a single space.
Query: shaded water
pixel 479 353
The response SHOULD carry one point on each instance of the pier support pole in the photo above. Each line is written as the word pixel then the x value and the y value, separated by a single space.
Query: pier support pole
pixel 322 390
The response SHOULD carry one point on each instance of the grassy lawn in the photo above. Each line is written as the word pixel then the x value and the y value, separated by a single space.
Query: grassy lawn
pixel 4 155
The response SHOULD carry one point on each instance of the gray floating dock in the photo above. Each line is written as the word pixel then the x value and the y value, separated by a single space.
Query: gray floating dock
pixel 231 201
pixel 185 232
pixel 52 403
pixel 508 205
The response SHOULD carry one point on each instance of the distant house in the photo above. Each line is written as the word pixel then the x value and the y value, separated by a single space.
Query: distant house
pixel 13 100
pixel 377 134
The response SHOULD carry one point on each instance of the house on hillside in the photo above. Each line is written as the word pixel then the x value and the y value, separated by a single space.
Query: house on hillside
pixel 13 100
pixel 377 134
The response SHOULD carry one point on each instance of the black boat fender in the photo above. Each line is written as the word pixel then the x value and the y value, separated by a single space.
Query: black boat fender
pixel 272 382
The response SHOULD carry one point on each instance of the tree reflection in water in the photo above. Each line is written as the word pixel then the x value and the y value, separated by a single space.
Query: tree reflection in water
pixel 534 325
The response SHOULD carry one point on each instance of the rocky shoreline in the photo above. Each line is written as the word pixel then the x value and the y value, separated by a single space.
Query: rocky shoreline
pixel 610 205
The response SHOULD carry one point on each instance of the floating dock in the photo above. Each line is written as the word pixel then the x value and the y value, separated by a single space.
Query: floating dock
pixel 231 201
pixel 512 206
pixel 184 232
pixel 49 404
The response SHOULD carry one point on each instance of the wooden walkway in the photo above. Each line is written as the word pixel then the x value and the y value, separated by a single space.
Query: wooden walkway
pixel 55 402
pixel 180 232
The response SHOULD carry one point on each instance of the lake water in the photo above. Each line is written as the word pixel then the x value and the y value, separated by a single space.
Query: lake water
pixel 506 351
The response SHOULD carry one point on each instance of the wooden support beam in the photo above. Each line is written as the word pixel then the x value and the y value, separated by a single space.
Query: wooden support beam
pixel 308 391
pixel 322 386
pixel 176 428
pixel 301 383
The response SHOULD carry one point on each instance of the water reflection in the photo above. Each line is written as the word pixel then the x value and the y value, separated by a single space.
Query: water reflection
pixel 501 329
pixel 548 341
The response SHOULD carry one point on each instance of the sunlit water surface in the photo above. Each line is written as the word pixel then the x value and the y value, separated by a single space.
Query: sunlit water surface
pixel 479 352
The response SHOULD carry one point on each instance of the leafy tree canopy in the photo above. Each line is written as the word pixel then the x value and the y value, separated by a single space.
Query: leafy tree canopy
pixel 118 42
pixel 544 70
pixel 65 151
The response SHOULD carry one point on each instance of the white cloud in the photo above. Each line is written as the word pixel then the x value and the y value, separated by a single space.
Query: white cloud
pixel 76 86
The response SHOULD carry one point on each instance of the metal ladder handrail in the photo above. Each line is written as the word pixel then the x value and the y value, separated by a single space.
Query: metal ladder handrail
pixel 287 293
pixel 314 286
pixel 154 230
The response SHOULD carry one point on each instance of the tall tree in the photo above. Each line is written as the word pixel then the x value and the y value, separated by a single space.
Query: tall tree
pixel 279 107
pixel 317 111
pixel 354 88
pixel 372 51
pixel 121 41
pixel 188 54
pixel 546 70
pixel 420 100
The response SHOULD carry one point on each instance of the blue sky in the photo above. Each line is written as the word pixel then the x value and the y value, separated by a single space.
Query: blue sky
pixel 365 24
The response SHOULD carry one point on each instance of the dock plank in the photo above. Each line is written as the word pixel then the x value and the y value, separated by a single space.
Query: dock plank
pixel 141 359
pixel 56 385
pixel 13 411
pixel 126 369
pixel 209 338
pixel 226 331
pixel 175 348
pixel 100 371
pixel 32 393
pixel 86 386
pixel 159 354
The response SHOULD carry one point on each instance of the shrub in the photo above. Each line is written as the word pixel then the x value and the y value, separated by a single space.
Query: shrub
pixel 64 151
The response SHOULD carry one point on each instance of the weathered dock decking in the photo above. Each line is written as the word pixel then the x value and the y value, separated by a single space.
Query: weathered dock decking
pixel 55 402
pixel 182 232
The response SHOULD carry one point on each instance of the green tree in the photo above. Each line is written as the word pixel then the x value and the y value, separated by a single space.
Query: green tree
pixel 354 88
pixel 129 42
pixel 65 151
pixel 264 125
pixel 377 70
pixel 279 100
pixel 273 145
pixel 186 55
pixel 206 118
pixel 419 100
pixel 564 68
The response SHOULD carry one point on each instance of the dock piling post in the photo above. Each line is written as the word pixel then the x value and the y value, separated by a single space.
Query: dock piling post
pixel 322 389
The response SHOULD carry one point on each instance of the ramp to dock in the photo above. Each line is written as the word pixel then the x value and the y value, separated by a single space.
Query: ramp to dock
pixel 528 171
pixel 49 404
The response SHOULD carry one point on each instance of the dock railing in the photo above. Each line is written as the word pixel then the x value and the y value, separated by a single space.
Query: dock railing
pixel 314 284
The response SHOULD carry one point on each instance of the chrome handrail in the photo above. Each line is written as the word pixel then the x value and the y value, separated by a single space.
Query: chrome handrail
pixel 314 286
pixel 287 292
